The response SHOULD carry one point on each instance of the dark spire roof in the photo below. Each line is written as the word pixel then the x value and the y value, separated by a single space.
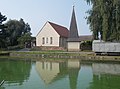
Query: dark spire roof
pixel 73 26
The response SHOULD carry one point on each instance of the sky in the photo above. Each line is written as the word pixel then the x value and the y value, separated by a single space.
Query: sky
pixel 37 12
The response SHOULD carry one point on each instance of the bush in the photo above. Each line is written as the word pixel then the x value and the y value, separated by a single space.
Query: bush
pixel 86 45
pixel 18 47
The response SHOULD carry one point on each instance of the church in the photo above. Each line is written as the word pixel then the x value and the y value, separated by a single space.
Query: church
pixel 54 36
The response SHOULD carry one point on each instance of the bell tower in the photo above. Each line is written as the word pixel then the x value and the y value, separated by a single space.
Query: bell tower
pixel 73 26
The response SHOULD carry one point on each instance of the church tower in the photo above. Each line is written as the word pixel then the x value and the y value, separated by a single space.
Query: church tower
pixel 73 42
pixel 73 26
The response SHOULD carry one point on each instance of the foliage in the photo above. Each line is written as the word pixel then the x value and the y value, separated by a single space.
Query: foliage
pixel 25 38
pixel 2 31
pixel 86 45
pixel 2 18
pixel 17 31
pixel 13 32
pixel 14 48
pixel 104 19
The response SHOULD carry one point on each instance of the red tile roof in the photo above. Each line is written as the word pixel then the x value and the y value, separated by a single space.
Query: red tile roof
pixel 62 31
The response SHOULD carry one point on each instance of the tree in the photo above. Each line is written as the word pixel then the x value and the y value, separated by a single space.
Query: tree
pixel 104 18
pixel 2 19
pixel 13 31
pixel 16 30
pixel 26 35
pixel 2 31
pixel 25 38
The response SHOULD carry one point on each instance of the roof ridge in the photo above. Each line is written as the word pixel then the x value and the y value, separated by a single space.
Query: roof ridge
pixel 61 30
pixel 56 24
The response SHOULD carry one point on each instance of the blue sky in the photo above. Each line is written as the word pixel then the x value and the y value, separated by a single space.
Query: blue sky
pixel 37 12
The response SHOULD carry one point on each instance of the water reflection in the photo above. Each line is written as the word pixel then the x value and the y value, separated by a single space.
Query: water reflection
pixel 105 76
pixel 73 70
pixel 80 75
pixel 14 72
pixel 63 74
pixel 102 68
pixel 51 71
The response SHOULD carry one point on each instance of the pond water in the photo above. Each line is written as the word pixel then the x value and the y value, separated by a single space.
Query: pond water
pixel 65 74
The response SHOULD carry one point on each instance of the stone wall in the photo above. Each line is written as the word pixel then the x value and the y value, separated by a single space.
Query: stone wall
pixel 100 46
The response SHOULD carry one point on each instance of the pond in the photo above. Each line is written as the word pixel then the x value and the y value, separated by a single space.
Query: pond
pixel 63 74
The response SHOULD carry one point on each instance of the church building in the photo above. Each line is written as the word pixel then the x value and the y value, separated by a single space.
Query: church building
pixel 54 35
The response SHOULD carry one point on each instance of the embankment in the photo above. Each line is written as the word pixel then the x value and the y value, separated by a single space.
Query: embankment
pixel 86 56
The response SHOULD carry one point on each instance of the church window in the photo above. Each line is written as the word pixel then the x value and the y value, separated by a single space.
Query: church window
pixel 46 40
pixel 51 40
pixel 43 40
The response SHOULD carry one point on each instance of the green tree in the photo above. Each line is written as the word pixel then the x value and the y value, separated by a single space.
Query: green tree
pixel 2 31
pixel 104 18
pixel 13 31
pixel 2 19
pixel 26 34
pixel 17 30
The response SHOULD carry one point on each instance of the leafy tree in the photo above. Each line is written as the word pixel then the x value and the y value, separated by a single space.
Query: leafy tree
pixel 16 31
pixel 2 19
pixel 13 31
pixel 25 38
pixel 104 18
pixel 2 31
pixel 26 34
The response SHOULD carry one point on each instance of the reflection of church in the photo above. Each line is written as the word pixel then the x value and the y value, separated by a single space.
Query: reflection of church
pixel 52 71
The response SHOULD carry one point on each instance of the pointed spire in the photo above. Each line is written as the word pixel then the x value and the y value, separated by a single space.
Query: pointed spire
pixel 73 26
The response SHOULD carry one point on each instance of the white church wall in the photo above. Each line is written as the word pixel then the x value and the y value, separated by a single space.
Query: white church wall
pixel 47 32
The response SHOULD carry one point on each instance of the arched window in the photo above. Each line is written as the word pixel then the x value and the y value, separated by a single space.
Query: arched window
pixel 51 40
pixel 47 40
pixel 43 40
